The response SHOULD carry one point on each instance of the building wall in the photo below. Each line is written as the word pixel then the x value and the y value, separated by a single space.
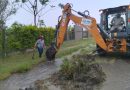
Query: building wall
pixel 78 32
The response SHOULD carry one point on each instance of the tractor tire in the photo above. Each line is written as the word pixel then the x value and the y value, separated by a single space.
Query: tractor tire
pixel 50 53
pixel 100 51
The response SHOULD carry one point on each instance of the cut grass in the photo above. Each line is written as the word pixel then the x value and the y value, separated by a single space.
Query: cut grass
pixel 20 63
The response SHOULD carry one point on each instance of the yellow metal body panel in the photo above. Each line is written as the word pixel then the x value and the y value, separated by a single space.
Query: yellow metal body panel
pixel 122 44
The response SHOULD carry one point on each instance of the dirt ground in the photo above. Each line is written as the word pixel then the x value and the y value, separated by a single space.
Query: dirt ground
pixel 117 70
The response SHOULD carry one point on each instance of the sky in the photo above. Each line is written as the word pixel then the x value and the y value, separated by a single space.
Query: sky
pixel 51 14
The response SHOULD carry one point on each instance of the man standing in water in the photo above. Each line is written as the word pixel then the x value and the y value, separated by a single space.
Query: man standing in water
pixel 40 45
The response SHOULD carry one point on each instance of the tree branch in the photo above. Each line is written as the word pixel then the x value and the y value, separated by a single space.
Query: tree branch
pixel 30 2
pixel 4 7
pixel 29 8
pixel 36 7
pixel 45 13
pixel 41 9
pixel 44 7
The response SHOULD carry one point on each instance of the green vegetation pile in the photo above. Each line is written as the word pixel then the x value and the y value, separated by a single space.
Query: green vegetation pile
pixel 82 72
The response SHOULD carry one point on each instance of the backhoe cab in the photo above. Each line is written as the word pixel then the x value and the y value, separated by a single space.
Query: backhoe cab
pixel 120 39
pixel 108 14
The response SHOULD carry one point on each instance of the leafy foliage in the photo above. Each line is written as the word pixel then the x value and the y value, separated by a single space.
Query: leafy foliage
pixel 43 1
pixel 0 40
pixel 21 37
pixel 23 1
pixel 7 8
pixel 34 7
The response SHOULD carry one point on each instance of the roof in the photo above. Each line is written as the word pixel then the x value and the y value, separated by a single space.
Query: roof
pixel 115 9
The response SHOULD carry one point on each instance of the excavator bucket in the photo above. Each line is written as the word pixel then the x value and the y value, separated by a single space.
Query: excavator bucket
pixel 51 52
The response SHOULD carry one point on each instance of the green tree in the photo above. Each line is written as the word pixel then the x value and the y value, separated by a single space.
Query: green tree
pixel 7 8
pixel 33 7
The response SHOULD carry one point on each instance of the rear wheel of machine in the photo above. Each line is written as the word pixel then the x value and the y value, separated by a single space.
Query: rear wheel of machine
pixel 50 53
pixel 100 51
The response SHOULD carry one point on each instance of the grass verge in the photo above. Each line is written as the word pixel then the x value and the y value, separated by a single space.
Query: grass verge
pixel 71 47
pixel 17 64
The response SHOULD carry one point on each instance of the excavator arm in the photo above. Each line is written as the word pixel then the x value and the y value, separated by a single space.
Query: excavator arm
pixel 85 21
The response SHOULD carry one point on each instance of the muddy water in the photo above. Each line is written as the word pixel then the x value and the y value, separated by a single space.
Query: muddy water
pixel 42 71
pixel 117 71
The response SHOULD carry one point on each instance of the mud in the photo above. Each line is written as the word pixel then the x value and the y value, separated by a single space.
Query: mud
pixel 80 72
pixel 25 80
pixel 117 71
pixel 22 81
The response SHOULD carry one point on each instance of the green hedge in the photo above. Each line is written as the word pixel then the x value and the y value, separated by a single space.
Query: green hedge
pixel 0 40
pixel 0 43
pixel 21 37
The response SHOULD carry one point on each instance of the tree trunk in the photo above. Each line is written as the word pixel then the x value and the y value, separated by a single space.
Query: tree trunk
pixel 3 42
pixel 35 12
pixel 35 20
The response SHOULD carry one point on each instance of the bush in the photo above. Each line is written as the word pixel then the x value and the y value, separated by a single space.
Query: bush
pixel 0 43
pixel 21 37
pixel 0 40
pixel 82 68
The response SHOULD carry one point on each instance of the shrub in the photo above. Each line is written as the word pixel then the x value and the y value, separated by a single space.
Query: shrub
pixel 21 37
pixel 0 40
pixel 82 68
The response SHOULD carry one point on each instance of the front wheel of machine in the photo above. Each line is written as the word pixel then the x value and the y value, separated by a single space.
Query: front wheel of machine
pixel 100 51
